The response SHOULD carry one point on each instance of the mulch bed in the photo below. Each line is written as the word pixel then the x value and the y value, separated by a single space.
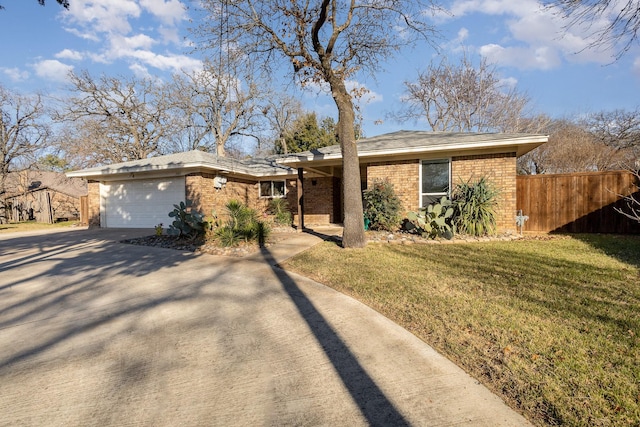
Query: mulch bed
pixel 278 234
pixel 210 247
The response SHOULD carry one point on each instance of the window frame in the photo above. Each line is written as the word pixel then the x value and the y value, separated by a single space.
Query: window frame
pixel 421 195
pixel 271 187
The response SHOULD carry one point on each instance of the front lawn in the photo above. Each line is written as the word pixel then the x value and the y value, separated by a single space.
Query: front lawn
pixel 551 325
pixel 32 226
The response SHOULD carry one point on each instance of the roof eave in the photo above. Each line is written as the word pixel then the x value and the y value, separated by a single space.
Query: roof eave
pixel 529 142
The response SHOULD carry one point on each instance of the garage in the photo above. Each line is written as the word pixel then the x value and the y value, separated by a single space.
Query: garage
pixel 140 203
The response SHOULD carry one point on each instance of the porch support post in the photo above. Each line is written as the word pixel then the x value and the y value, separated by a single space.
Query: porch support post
pixel 300 189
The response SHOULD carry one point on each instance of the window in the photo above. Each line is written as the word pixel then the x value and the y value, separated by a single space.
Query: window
pixel 435 181
pixel 272 189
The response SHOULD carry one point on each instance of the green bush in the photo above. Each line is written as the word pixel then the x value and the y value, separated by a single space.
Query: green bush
pixel 187 222
pixel 475 207
pixel 434 220
pixel 382 206
pixel 279 208
pixel 242 225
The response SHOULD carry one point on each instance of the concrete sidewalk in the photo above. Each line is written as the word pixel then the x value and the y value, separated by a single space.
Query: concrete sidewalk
pixel 94 332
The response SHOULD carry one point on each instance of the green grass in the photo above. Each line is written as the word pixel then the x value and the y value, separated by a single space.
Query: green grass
pixel 32 226
pixel 550 325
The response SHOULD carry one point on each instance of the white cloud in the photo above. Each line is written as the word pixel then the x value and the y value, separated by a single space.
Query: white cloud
pixel 537 37
pixel 168 11
pixel 171 62
pixel 542 58
pixel 51 69
pixel 126 44
pixel 69 54
pixel 510 82
pixel 366 95
pixel 105 16
pixel 169 35
pixel 140 71
pixel 15 74
pixel 115 27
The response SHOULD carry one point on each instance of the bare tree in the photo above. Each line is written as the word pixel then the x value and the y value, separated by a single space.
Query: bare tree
pixel 281 112
pixel 63 3
pixel 115 119
pixel 572 147
pixel 619 129
pixel 324 41
pixel 218 103
pixel 633 200
pixel 613 24
pixel 464 98
pixel 23 132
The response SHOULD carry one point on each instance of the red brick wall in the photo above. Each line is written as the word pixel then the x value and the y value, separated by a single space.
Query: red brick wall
pixel 499 169
pixel 93 189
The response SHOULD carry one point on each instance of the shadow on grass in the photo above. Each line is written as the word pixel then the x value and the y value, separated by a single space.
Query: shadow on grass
pixel 373 404
pixel 625 248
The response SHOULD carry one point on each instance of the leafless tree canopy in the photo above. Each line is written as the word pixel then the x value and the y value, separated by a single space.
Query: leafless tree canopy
pixel 23 132
pixel 217 104
pixel 113 119
pixel 621 21
pixel 632 209
pixel 324 41
pixel 606 140
pixel 281 112
pixel 464 98
pixel 618 129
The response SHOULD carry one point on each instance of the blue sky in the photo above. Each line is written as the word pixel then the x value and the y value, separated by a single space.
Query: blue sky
pixel 526 42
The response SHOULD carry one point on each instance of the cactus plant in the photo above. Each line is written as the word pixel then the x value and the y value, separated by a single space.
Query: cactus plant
pixel 187 223
pixel 434 220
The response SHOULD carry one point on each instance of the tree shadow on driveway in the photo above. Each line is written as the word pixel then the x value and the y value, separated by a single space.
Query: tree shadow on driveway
pixel 376 408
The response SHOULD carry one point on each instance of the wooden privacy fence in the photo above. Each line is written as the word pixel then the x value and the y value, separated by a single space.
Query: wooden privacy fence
pixel 578 202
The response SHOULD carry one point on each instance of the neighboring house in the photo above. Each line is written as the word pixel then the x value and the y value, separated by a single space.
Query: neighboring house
pixel 43 196
pixel 422 166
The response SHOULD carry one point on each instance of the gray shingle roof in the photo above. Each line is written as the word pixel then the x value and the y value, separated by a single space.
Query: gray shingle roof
pixel 416 141
pixel 190 159
pixel 402 142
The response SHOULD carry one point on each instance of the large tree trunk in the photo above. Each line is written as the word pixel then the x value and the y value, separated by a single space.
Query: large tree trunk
pixel 353 234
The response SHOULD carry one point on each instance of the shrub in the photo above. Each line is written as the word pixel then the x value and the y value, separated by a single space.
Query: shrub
pixel 187 223
pixel 434 220
pixel 242 225
pixel 279 208
pixel 474 207
pixel 382 206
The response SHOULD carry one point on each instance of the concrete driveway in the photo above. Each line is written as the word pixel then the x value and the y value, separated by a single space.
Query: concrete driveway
pixel 95 332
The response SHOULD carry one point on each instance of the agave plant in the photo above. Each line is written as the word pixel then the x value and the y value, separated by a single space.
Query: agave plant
pixel 475 207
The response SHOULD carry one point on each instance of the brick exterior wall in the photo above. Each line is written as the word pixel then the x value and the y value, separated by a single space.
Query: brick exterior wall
pixel 318 201
pixel 405 178
pixel 499 169
pixel 93 189
pixel 207 199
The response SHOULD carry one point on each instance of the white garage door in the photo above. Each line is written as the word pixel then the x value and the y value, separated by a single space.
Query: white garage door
pixel 139 204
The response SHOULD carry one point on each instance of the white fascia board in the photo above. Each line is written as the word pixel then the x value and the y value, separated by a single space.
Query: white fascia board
pixel 422 149
pixel 183 167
